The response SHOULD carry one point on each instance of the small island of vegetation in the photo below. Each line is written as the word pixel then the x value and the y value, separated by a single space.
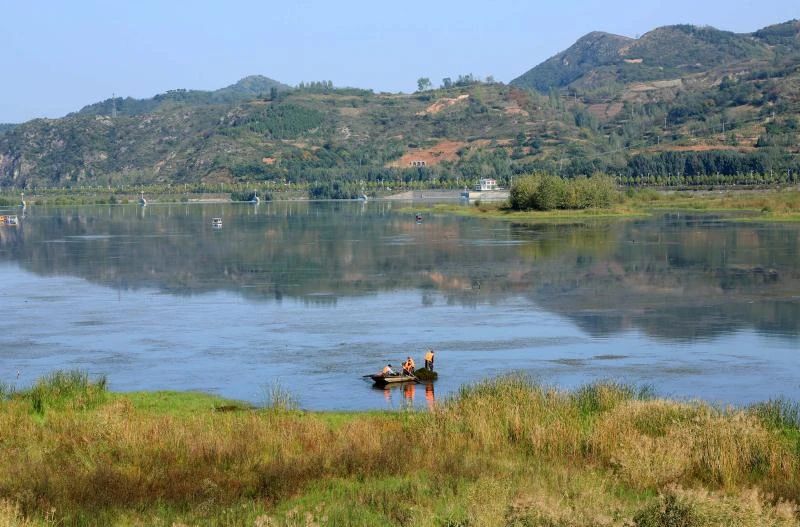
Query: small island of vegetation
pixel 544 196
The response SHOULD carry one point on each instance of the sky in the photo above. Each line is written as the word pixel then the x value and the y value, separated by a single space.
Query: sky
pixel 59 56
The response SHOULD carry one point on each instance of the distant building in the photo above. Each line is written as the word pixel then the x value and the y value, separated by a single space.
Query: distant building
pixel 417 164
pixel 486 184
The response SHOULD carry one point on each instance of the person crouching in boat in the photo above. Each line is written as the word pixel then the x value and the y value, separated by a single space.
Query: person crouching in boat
pixel 388 371
pixel 429 360
pixel 408 366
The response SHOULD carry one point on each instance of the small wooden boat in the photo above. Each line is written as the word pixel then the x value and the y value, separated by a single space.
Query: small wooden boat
pixel 10 220
pixel 382 380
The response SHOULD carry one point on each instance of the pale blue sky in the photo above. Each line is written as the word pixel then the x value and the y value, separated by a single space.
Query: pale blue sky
pixel 61 55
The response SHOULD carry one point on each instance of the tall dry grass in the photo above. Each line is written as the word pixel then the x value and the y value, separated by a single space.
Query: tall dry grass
pixel 777 202
pixel 505 452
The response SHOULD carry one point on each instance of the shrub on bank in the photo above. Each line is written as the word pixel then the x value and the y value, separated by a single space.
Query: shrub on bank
pixel 549 192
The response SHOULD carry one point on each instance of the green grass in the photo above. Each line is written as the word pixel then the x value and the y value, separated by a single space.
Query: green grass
pixel 178 404
pixel 505 452
pixel 767 205
pixel 63 389
pixel 6 391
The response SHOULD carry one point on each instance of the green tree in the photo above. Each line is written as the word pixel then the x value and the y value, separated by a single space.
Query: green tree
pixel 423 83
pixel 550 194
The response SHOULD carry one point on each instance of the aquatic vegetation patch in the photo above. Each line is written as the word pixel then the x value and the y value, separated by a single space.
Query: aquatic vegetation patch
pixel 425 375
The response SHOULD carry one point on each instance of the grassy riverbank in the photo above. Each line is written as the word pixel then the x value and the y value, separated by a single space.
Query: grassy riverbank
pixel 765 205
pixel 506 452
pixel 762 205
pixel 499 211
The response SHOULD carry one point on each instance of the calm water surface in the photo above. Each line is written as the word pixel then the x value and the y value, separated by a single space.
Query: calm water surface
pixel 313 295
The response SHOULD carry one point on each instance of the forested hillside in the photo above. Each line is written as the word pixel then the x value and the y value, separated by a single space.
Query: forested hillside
pixel 246 89
pixel 681 105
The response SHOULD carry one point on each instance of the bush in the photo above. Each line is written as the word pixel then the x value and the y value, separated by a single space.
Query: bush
pixel 668 512
pixel 596 192
pixel 549 192
pixel 522 191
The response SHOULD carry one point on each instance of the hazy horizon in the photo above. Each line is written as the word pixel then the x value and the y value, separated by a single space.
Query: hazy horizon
pixel 63 57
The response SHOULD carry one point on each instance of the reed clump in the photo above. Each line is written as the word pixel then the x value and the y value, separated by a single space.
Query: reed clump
pixel 502 452
pixel 65 389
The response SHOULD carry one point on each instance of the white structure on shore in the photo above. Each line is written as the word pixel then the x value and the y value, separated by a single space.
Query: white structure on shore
pixel 486 184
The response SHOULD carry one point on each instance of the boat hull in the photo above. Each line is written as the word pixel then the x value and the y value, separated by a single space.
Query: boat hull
pixel 392 379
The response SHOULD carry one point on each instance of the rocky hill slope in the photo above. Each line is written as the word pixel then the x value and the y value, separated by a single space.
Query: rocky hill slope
pixel 665 53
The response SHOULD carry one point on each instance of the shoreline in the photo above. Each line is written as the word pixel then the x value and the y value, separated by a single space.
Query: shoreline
pixel 767 204
pixel 774 205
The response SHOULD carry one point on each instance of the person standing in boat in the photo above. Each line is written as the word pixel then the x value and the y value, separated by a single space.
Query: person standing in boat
pixel 429 360
pixel 408 366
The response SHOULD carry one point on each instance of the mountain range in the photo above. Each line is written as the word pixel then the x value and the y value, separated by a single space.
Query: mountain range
pixel 679 100
pixel 670 52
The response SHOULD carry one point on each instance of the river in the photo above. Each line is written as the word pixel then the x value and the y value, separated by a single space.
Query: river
pixel 311 296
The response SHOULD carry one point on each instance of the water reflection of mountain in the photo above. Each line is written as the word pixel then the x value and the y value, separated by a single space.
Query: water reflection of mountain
pixel 675 276
pixel 679 277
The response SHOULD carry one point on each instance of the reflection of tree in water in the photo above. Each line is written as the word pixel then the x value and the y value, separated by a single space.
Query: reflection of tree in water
pixel 675 276
pixel 289 249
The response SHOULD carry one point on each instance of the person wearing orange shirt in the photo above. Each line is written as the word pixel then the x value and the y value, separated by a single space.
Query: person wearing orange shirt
pixel 408 366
